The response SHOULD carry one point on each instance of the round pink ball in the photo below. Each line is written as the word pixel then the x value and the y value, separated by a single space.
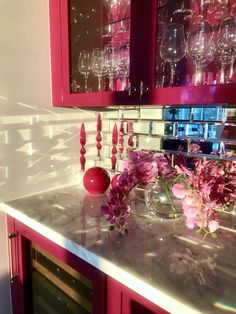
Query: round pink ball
pixel 96 180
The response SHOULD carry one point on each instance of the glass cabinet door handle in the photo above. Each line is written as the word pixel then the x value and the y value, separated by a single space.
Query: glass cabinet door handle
pixel 129 89
pixel 142 89
pixel 11 235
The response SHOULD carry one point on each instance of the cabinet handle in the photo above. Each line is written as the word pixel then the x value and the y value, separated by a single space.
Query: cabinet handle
pixel 142 89
pixel 129 88
pixel 11 235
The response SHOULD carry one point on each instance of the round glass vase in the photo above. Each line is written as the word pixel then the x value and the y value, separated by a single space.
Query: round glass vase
pixel 161 203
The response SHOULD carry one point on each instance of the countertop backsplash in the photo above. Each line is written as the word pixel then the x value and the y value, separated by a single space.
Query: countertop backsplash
pixel 166 129
pixel 169 129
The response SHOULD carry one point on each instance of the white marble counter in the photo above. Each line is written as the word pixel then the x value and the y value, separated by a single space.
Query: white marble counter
pixel 163 261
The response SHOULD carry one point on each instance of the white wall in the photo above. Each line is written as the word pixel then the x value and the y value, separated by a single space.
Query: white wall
pixel 39 144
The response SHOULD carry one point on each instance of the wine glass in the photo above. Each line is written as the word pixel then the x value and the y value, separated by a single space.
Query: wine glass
pixel 111 64
pixel 224 48
pixel 180 14
pixel 231 24
pixel 201 48
pixel 124 58
pixel 172 48
pixel 97 64
pixel 84 67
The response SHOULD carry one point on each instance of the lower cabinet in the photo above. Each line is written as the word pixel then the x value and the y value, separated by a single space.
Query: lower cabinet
pixel 122 300
pixel 47 279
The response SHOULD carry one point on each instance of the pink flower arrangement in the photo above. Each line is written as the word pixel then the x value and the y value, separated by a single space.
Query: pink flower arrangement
pixel 211 185
pixel 140 168
pixel 208 186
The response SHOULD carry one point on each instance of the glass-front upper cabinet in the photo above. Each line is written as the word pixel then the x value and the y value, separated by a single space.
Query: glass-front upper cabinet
pixel 195 51
pixel 91 47
pixel 111 52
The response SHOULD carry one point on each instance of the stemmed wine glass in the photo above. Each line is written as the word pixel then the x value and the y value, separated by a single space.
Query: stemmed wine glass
pixel 111 64
pixel 201 48
pixel 224 48
pixel 124 57
pixel 231 22
pixel 172 48
pixel 180 14
pixel 84 67
pixel 97 64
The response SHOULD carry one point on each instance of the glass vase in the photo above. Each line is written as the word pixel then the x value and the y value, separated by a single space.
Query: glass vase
pixel 161 203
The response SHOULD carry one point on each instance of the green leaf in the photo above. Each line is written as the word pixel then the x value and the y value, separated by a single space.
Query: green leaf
pixel 198 230
pixel 214 235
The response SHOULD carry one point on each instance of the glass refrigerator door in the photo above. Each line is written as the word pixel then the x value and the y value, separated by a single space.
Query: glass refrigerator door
pixel 58 288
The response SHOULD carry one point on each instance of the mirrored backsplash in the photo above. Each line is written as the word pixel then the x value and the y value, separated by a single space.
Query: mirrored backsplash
pixel 172 130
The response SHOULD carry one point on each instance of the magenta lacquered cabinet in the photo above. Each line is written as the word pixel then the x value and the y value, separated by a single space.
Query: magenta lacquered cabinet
pixel 122 300
pixel 143 30
pixel 21 284
pixel 108 295
pixel 61 61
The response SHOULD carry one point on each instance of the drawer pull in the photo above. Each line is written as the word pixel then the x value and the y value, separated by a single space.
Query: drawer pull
pixel 11 235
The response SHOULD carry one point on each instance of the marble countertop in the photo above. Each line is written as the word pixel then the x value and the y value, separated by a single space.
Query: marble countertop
pixel 163 261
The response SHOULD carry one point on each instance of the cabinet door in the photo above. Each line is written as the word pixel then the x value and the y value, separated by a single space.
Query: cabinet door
pixel 95 51
pixel 51 279
pixel 122 300
pixel 133 303
pixel 193 42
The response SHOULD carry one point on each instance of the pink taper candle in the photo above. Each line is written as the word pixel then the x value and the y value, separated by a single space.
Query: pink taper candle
pixel 99 137
pixel 131 135
pixel 114 150
pixel 82 149
pixel 121 139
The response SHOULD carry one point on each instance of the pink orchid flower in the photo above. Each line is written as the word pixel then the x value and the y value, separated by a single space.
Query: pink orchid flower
pixel 188 201
pixel 179 190
pixel 190 223
pixel 213 225
pixel 190 211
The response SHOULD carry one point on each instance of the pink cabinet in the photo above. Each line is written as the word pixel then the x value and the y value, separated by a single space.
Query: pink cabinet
pixel 95 51
pixel 194 41
pixel 122 300
pixel 46 278
pixel 112 52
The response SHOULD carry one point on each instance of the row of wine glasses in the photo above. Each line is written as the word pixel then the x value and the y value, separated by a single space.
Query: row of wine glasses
pixel 201 45
pixel 109 62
